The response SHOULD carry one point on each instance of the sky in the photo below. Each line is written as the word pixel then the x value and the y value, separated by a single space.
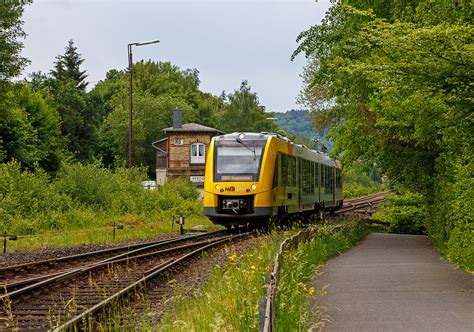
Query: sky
pixel 227 41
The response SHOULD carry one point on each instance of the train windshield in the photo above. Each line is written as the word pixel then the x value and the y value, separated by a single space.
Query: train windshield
pixel 238 161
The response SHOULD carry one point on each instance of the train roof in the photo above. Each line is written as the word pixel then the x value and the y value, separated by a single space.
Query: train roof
pixel 299 150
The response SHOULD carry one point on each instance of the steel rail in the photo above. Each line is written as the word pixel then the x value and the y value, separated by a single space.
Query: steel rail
pixel 361 198
pixel 72 258
pixel 367 203
pixel 99 252
pixel 153 273
pixel 61 277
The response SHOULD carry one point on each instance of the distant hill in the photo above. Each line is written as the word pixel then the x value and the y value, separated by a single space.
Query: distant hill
pixel 298 123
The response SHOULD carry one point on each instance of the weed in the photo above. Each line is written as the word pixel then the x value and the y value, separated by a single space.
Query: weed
pixel 7 308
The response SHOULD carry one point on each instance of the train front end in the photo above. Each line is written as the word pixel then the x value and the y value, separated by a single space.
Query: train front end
pixel 238 180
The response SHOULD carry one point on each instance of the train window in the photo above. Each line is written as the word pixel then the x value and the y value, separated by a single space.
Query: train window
pixel 325 179
pixel 275 171
pixel 329 180
pixel 304 176
pixel 284 170
pixel 288 170
pixel 236 161
pixel 291 171
pixel 323 176
pixel 316 175
pixel 307 176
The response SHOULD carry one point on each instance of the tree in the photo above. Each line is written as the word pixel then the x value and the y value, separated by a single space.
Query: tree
pixel 158 89
pixel 398 78
pixel 29 129
pixel 79 121
pixel 81 113
pixel 11 61
pixel 243 112
pixel 67 67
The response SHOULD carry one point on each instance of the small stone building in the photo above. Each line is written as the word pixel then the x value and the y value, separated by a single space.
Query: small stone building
pixel 183 152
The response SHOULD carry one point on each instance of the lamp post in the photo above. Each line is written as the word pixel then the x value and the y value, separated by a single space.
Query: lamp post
pixel 271 128
pixel 130 103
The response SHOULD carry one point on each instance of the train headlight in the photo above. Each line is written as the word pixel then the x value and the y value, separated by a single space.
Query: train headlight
pixel 218 187
pixel 241 136
pixel 254 186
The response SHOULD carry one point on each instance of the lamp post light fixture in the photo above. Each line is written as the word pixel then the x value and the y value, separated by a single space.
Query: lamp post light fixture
pixel 273 119
pixel 130 103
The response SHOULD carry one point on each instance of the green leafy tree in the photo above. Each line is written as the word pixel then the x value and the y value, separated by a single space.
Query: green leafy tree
pixel 395 81
pixel 29 129
pixel 151 115
pixel 244 112
pixel 79 121
pixel 11 61
pixel 158 88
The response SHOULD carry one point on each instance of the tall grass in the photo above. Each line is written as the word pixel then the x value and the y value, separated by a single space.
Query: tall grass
pixel 228 301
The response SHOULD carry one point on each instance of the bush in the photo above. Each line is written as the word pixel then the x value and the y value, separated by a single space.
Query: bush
pixel 451 223
pixel 85 196
pixel 29 201
pixel 406 213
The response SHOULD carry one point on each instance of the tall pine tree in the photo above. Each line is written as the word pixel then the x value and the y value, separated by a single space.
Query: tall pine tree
pixel 79 119
pixel 67 67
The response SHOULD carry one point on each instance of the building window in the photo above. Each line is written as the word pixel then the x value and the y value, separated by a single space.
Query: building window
pixel 198 153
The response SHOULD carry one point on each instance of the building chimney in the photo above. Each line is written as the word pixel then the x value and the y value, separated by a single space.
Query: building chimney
pixel 177 118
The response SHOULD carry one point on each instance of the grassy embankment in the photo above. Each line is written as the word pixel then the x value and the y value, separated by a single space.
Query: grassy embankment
pixel 90 199
pixel 229 299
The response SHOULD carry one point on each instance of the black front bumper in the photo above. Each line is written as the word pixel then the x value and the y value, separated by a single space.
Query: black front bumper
pixel 258 214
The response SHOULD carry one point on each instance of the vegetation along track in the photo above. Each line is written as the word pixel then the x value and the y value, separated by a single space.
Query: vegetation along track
pixel 69 298
pixel 61 292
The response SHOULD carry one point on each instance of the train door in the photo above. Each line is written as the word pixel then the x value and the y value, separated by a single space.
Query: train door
pixel 333 185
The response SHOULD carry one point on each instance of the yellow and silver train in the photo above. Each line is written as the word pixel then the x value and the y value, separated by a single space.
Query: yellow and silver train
pixel 251 177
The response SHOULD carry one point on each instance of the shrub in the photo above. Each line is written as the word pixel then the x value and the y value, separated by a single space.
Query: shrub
pixel 84 196
pixel 406 213
pixel 29 201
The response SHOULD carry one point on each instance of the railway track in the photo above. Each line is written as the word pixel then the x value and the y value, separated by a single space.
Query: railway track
pixel 364 203
pixel 27 273
pixel 67 298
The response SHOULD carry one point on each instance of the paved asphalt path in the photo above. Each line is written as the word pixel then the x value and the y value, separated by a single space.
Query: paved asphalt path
pixel 392 282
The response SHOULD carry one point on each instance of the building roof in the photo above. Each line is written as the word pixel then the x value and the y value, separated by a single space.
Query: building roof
pixel 194 127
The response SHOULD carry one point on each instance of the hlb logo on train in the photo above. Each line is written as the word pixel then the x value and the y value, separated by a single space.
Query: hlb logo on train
pixel 232 189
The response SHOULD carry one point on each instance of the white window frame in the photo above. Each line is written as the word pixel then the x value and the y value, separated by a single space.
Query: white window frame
pixel 198 156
